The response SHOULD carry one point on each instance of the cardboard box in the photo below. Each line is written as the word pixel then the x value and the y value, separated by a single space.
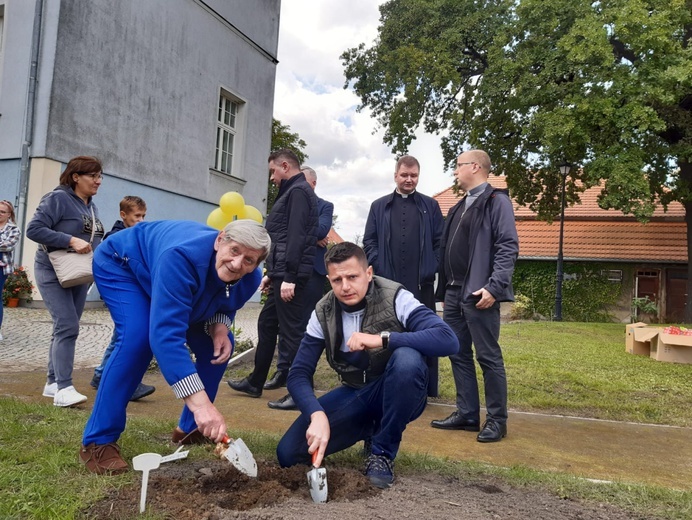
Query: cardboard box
pixel 674 348
pixel 639 337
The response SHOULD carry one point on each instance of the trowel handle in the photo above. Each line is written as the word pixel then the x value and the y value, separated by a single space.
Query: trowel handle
pixel 226 439
pixel 314 458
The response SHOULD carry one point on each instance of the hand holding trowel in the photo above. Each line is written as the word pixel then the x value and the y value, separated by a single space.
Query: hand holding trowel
pixel 317 481
pixel 238 454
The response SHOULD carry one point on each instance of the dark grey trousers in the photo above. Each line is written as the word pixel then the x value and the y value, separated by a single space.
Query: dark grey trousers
pixel 482 329
pixel 65 307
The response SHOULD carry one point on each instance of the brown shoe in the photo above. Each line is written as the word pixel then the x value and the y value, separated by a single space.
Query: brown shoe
pixel 103 459
pixel 194 437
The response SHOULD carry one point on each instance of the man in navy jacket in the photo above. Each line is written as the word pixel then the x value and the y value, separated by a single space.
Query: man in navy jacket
pixel 479 249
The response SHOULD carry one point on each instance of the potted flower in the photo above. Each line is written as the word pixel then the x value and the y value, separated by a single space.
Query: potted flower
pixel 17 286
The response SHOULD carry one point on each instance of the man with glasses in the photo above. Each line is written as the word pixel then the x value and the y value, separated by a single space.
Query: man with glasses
pixel 479 249
pixel 402 240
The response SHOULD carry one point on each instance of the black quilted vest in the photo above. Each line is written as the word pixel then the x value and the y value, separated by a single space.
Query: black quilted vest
pixel 380 315
pixel 277 226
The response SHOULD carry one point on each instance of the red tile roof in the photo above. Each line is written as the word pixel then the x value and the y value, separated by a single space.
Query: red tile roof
pixel 592 233
pixel 334 237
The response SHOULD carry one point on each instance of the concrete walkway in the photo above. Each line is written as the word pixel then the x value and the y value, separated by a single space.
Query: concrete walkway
pixel 594 449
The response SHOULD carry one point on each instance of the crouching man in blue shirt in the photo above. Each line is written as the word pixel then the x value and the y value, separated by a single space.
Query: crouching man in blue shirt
pixel 376 336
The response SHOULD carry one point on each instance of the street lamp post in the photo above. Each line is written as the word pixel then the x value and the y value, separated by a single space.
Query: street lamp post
pixel 564 171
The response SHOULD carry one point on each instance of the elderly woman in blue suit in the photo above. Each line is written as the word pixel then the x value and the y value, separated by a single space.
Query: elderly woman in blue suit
pixel 170 285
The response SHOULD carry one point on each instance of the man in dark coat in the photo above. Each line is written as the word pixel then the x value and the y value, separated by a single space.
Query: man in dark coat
pixel 479 249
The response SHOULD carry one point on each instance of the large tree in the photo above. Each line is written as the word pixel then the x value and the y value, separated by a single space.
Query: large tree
pixel 282 137
pixel 605 85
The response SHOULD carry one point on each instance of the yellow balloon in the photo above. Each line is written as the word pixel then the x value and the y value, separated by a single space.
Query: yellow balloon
pixel 218 219
pixel 232 204
pixel 253 213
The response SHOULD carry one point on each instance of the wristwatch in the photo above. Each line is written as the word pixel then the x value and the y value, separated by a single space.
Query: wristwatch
pixel 385 338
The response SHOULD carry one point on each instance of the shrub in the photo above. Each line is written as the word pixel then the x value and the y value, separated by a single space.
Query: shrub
pixel 17 285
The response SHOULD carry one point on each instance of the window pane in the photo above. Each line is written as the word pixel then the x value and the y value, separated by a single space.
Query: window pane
pixel 234 111
pixel 220 109
pixel 217 162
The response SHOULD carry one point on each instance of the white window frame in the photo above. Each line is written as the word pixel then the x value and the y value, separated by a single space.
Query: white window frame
pixel 229 133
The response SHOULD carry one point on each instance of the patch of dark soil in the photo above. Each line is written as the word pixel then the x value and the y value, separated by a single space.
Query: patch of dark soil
pixel 214 490
pixel 211 489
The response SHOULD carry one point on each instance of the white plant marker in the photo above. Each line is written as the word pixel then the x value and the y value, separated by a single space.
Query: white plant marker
pixel 176 455
pixel 145 463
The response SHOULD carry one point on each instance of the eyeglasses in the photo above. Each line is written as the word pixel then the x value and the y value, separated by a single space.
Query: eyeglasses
pixel 463 163
pixel 93 176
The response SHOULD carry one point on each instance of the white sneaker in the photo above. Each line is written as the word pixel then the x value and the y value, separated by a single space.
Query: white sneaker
pixel 1 338
pixel 68 397
pixel 50 389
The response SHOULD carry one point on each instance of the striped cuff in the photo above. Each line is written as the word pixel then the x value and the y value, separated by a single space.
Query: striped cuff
pixel 219 317
pixel 188 386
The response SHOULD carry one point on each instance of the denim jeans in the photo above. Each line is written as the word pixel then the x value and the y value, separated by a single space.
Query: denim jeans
pixel 380 410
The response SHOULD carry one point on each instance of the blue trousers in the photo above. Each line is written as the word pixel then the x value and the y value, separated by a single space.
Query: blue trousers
pixel 130 306
pixel 482 329
pixel 380 410
pixel 98 371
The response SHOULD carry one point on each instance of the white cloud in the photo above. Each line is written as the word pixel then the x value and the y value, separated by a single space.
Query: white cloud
pixel 354 166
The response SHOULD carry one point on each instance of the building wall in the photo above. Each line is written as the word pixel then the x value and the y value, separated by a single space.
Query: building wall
pixel 137 84
pixel 18 16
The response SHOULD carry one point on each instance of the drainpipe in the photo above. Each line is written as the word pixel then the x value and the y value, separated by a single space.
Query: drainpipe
pixel 29 123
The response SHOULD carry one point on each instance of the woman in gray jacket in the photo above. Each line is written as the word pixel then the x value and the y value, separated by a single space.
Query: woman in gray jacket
pixel 63 220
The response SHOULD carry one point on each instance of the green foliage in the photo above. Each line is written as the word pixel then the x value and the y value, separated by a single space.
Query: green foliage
pixel 586 293
pixel 522 308
pixel 645 305
pixel 282 137
pixel 604 85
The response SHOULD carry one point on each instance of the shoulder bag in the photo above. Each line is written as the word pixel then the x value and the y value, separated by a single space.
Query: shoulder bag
pixel 73 268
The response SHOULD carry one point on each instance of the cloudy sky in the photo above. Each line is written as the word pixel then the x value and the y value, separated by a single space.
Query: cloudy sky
pixel 353 165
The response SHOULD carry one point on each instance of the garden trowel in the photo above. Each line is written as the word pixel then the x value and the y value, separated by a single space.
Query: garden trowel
pixel 238 454
pixel 317 481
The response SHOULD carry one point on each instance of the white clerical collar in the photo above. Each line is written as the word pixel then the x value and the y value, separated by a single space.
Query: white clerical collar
pixel 404 195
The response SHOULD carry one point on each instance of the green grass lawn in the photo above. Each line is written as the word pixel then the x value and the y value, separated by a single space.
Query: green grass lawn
pixel 578 369
pixel 566 368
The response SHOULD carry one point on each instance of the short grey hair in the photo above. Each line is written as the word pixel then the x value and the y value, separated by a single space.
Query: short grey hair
pixel 310 174
pixel 249 233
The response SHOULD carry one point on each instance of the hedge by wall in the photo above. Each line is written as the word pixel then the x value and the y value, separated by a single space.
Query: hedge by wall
pixel 586 292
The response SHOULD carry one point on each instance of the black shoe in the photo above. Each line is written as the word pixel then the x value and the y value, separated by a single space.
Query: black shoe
pixel 493 431
pixel 142 390
pixel 456 422
pixel 285 403
pixel 277 380
pixel 244 386
pixel 95 382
